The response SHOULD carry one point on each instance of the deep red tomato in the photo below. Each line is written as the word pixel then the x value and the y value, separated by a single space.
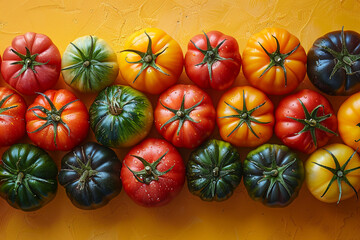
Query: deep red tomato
pixel 12 117
pixel 305 121
pixel 153 173
pixel 185 115
pixel 57 120
pixel 31 64
pixel 213 60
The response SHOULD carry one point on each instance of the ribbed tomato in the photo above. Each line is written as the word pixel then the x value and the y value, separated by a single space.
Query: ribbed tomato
pixel 185 115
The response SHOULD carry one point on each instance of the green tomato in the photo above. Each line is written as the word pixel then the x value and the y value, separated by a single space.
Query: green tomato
pixel 27 177
pixel 120 116
pixel 273 174
pixel 89 64
pixel 214 170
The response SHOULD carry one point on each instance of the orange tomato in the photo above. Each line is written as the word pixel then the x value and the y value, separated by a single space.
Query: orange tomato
pixel 245 117
pixel 274 61
pixel 329 176
pixel 152 61
pixel 349 121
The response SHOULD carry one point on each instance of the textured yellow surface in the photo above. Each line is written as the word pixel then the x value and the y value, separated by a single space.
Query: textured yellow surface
pixel 187 217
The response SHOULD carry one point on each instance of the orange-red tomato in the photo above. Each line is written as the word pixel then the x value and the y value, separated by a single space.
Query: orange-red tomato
pixel 349 121
pixel 245 117
pixel 274 61
pixel 152 61
pixel 57 120
pixel 12 117
pixel 185 115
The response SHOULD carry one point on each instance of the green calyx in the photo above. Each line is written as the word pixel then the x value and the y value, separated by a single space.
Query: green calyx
pixel 149 173
pixel 182 114
pixel 85 66
pixel 21 177
pixel 343 58
pixel 277 58
pixel 339 174
pixel 53 116
pixel 5 109
pixel 245 116
pixel 274 173
pixel 147 58
pixel 115 103
pixel 28 61
pixel 312 122
pixel 85 171
pixel 211 55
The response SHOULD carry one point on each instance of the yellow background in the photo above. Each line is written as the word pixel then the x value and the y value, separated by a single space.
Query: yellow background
pixel 186 217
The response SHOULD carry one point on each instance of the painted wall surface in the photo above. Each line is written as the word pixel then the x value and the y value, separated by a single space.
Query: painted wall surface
pixel 186 217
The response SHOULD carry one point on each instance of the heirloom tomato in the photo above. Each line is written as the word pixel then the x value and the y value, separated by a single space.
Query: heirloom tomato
pixel 185 115
pixel 90 173
pixel 274 61
pixel 213 60
pixel 57 120
pixel 333 173
pixel 28 177
pixel 152 61
pixel 89 64
pixel 12 117
pixel 333 64
pixel 153 173
pixel 349 121
pixel 121 116
pixel 214 171
pixel 245 117
pixel 305 121
pixel 273 175
pixel 31 64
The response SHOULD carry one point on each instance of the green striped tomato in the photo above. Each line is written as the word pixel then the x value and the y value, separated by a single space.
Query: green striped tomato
pixel 120 116
pixel 89 64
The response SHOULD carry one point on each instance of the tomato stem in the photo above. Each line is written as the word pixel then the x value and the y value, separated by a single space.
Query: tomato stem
pixel 182 114
pixel 7 108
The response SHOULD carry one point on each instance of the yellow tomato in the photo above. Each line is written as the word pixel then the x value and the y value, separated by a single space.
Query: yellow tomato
pixel 274 61
pixel 152 61
pixel 329 169
pixel 245 117
pixel 349 121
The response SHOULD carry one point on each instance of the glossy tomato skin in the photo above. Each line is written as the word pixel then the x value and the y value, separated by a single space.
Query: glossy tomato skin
pixel 224 72
pixel 160 192
pixel 170 61
pixel 90 173
pixel 287 129
pixel 214 171
pixel 75 116
pixel 121 116
pixel 320 64
pixel 242 136
pixel 28 177
pixel 44 76
pixel 273 175
pixel 12 117
pixel 255 61
pixel 317 178
pixel 349 121
pixel 89 64
pixel 201 120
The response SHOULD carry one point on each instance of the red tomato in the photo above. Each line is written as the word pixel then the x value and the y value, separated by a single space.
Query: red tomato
pixel 153 173
pixel 185 115
pixel 12 117
pixel 213 60
pixel 31 64
pixel 57 120
pixel 305 121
